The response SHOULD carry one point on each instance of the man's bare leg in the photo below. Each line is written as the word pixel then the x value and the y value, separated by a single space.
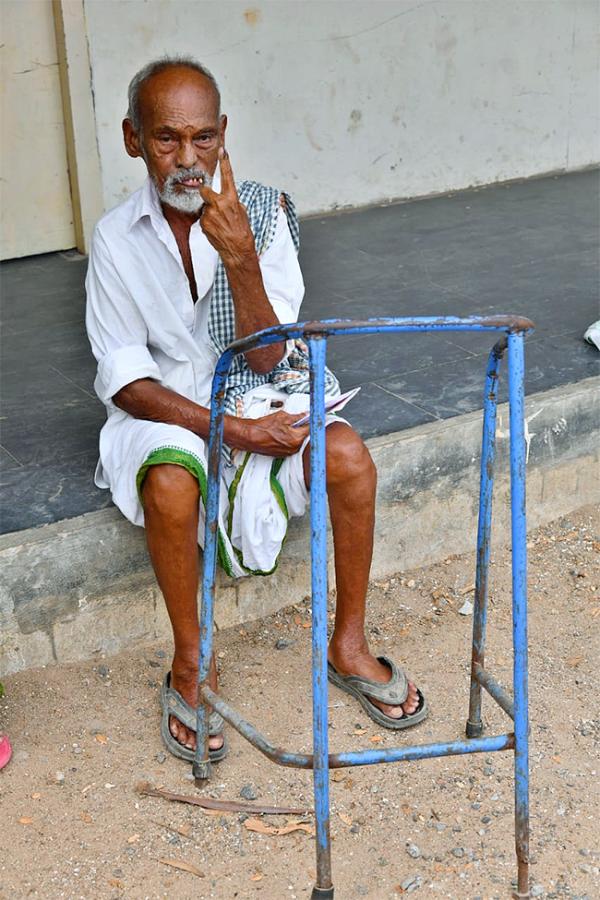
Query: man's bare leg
pixel 351 483
pixel 171 496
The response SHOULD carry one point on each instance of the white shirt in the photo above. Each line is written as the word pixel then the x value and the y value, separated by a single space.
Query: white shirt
pixel 141 319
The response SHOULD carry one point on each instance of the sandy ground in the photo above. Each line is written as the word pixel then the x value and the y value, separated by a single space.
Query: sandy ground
pixel 73 826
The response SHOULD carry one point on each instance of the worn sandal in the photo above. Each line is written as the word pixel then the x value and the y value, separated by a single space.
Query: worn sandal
pixel 173 704
pixel 394 692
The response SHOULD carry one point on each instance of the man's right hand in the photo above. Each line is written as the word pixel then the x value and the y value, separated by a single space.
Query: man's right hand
pixel 272 435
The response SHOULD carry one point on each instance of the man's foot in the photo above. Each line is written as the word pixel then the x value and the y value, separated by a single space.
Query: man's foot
pixel 185 680
pixel 366 665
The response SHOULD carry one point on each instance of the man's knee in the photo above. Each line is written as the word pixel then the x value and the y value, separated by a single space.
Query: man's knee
pixel 347 455
pixel 170 492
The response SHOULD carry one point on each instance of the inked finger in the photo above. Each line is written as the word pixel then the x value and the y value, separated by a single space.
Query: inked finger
pixel 227 178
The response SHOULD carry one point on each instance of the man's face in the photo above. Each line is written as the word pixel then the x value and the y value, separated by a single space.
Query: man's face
pixel 181 132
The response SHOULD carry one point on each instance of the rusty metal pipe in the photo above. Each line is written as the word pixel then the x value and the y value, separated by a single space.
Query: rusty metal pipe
pixel 494 689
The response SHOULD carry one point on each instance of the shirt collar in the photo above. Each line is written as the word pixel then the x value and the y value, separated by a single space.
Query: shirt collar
pixel 148 202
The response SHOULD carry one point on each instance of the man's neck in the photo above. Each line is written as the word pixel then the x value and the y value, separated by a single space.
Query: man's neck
pixel 180 222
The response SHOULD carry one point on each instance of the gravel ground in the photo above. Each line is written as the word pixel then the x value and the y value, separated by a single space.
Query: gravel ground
pixel 84 735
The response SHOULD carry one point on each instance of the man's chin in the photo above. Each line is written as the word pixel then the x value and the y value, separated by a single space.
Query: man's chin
pixel 189 203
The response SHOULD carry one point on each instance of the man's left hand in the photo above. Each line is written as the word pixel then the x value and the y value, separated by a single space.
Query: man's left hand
pixel 224 220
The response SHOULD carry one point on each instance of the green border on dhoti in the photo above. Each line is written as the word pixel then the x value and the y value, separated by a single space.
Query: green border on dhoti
pixel 177 456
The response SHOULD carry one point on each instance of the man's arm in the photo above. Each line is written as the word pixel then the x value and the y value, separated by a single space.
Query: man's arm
pixel 225 224
pixel 271 435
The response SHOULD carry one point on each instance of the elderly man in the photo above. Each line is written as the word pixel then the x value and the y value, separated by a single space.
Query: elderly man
pixel 182 267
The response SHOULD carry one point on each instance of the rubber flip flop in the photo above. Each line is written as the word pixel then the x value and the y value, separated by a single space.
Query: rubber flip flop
pixel 173 704
pixel 393 692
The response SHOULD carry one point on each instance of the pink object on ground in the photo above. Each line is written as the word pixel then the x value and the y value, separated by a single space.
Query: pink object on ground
pixel 5 750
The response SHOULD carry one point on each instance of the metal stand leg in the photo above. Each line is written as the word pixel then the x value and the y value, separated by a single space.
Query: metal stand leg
pixel 516 370
pixel 318 526
pixel 474 726
pixel 201 765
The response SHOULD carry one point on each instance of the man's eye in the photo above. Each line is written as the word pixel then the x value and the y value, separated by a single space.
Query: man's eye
pixel 165 138
pixel 204 139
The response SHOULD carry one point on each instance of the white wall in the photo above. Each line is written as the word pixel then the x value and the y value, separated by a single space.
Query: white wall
pixel 347 103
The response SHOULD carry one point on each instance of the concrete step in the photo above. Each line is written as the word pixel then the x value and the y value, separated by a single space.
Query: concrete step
pixel 84 586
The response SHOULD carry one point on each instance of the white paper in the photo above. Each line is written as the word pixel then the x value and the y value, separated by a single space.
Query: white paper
pixel 333 405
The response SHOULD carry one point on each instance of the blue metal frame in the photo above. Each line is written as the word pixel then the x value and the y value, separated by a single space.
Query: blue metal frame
pixel 512 330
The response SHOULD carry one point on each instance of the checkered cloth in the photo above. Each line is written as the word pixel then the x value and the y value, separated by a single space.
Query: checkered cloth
pixel 292 374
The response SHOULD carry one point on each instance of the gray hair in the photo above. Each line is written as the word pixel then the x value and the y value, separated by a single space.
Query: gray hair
pixel 154 68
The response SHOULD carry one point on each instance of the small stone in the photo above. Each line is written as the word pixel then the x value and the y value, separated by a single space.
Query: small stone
pixel 103 671
pixel 161 757
pixel 411 583
pixel 584 852
pixel 466 609
pixel 439 826
pixel 537 890
pixel 153 663
pixel 361 889
pixel 456 828
pixel 174 839
pixel 58 778
pixel 485 820
pixel 160 653
pixel 488 770
pixel 248 792
pixel 383 861
pixel 283 643
pixel 354 829
pixel 413 851
pixel 459 852
pixel 412 883
pixel 475 805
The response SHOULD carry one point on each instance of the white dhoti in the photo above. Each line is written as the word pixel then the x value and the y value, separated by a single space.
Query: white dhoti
pixel 258 494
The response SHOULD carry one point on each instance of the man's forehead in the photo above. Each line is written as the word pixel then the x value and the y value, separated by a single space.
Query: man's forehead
pixel 178 91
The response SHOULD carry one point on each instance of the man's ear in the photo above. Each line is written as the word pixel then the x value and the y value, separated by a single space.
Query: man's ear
pixel 222 129
pixel 131 139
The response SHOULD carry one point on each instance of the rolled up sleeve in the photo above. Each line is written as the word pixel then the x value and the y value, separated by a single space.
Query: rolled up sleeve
pixel 116 330
pixel 122 366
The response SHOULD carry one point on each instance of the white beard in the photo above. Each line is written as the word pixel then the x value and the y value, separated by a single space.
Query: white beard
pixel 184 199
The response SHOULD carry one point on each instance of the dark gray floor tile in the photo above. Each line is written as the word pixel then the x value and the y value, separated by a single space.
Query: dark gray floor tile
pixel 38 495
pixel 455 388
pixel 363 358
pixel 47 418
pixel 50 291
pixel 52 345
pixel 35 389
pixel 79 369
pixel 8 461
pixel 375 411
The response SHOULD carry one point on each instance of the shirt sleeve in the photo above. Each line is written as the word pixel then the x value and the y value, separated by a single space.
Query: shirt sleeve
pixel 116 329
pixel 280 269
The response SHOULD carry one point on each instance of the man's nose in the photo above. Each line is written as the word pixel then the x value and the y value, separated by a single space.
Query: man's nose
pixel 186 158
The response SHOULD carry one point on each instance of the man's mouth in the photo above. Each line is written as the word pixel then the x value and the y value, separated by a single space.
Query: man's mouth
pixel 191 182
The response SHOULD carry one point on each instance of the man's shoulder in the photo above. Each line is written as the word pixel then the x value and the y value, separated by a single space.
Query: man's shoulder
pixel 255 192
